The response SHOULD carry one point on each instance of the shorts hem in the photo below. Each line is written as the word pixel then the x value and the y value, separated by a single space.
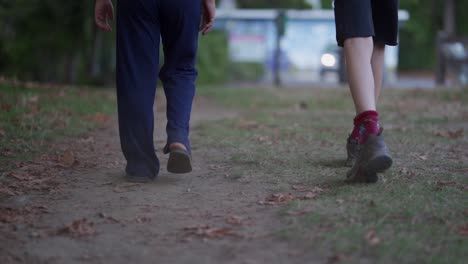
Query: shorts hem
pixel 342 40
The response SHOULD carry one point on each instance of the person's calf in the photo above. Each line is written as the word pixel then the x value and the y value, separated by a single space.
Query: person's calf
pixel 377 62
pixel 358 54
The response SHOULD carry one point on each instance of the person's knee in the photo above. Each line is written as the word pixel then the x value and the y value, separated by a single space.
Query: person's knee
pixel 178 72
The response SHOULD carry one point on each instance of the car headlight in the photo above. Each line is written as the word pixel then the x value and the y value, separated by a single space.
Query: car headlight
pixel 328 60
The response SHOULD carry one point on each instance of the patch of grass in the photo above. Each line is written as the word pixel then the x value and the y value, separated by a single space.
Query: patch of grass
pixel 33 117
pixel 416 210
pixel 243 98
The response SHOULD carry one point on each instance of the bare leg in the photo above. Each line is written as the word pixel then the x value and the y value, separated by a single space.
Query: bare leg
pixel 378 57
pixel 358 52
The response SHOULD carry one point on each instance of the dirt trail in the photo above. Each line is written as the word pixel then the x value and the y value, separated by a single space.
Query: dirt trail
pixel 203 217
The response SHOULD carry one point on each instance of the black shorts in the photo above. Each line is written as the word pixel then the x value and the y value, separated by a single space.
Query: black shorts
pixel 367 18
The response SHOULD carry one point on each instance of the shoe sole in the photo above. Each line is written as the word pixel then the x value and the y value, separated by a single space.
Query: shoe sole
pixel 135 179
pixel 375 166
pixel 369 173
pixel 179 162
pixel 379 164
pixel 349 162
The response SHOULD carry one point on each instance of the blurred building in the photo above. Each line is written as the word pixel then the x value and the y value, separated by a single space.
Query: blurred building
pixel 308 50
pixel 227 5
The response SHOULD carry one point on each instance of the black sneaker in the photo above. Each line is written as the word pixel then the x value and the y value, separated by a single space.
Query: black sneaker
pixel 351 151
pixel 179 161
pixel 372 157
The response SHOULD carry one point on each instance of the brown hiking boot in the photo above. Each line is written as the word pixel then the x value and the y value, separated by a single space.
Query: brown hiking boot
pixel 351 151
pixel 373 157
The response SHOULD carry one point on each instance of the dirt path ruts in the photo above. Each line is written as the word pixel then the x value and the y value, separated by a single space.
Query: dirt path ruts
pixel 203 217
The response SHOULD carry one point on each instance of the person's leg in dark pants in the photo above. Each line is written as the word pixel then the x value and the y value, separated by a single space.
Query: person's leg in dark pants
pixel 138 38
pixel 180 22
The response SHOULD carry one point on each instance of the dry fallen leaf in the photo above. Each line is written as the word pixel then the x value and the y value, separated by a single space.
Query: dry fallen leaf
pixel 205 231
pixel 310 195
pixel 110 219
pixel 5 107
pixel 217 167
pixel 459 185
pixel 302 188
pixel 61 93
pixel 78 228
pixel 7 191
pixel 265 139
pixel 9 215
pixel 247 124
pixel 407 172
pixel 463 230
pixel 21 215
pixel 422 157
pixel 340 201
pixel 299 212
pixel 338 258
pixel 446 183
pixel 450 133
pixel 33 99
pixel 149 208
pixel 39 234
pixel 67 159
pixel 142 219
pixel 234 220
pixel 88 140
pixel 125 187
pixel 100 118
pixel 6 152
pixel 279 198
pixel 217 232
pixel 20 175
pixel 372 238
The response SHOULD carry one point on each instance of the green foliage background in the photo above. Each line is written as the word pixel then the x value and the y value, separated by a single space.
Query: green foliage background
pixel 213 58
pixel 292 4
pixel 418 35
pixel 44 39
pixel 56 41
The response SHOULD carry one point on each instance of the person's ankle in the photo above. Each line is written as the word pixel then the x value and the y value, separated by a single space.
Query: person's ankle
pixel 365 124
pixel 366 115
pixel 177 145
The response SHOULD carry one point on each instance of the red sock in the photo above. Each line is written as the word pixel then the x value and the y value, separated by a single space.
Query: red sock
pixel 365 124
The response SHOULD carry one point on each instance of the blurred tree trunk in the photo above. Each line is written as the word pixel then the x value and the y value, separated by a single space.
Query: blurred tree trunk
pixel 95 69
pixel 71 66
pixel 450 18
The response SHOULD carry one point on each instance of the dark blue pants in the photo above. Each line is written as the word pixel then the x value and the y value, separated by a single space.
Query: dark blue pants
pixel 141 24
